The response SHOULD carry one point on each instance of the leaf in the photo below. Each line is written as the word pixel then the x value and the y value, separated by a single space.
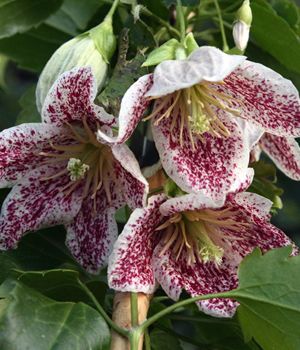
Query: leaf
pixel 28 318
pixel 29 112
pixel 269 293
pixel 168 3
pixel 274 35
pixel 18 16
pixel 3 64
pixel 163 340
pixel 60 284
pixel 288 10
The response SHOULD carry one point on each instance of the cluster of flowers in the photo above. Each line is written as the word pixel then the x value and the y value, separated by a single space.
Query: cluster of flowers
pixel 209 112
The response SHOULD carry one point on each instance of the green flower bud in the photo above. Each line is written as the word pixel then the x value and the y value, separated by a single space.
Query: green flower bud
pixel 244 13
pixel 241 26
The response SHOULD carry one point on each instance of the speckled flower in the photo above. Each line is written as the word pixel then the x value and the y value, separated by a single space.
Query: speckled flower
pixel 194 243
pixel 284 151
pixel 200 104
pixel 61 174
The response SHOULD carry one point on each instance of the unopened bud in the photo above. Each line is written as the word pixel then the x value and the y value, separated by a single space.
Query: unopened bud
pixel 241 26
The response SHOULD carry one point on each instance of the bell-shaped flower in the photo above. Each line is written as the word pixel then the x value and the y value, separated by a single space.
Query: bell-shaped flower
pixel 194 243
pixel 61 174
pixel 200 106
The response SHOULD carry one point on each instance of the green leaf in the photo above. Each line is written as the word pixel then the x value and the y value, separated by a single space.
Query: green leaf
pixel 162 53
pixel 3 64
pixel 18 16
pixel 162 340
pixel 29 112
pixel 28 318
pixel 274 35
pixel 168 3
pixel 288 10
pixel 190 43
pixel 269 293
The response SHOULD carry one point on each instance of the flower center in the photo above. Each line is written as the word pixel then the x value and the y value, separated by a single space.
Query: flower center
pixel 88 162
pixel 195 234
pixel 194 109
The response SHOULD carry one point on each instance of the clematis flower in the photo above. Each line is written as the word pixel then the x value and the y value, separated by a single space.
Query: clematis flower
pixel 194 243
pixel 201 105
pixel 61 174
pixel 284 151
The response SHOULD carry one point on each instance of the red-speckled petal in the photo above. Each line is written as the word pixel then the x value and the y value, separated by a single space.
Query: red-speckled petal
pixel 35 203
pixel 204 64
pixel 254 204
pixel 71 98
pixel 129 268
pixel 92 233
pixel 133 106
pixel 285 153
pixel 135 186
pixel 20 147
pixel 216 167
pixel 197 279
pixel 265 98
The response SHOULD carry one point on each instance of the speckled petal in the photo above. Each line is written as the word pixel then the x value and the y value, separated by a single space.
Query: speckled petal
pixel 216 167
pixel 19 148
pixel 204 64
pixel 92 233
pixel 285 153
pixel 134 186
pixel 129 268
pixel 71 98
pixel 133 106
pixel 197 279
pixel 254 204
pixel 265 98
pixel 34 203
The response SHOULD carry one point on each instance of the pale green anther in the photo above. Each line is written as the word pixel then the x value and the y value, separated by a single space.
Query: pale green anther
pixel 244 13
pixel 77 169
pixel 199 124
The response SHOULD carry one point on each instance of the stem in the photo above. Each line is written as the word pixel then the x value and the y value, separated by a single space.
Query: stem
pixel 173 307
pixel 134 310
pixel 134 338
pixel 118 329
pixel 112 10
pixel 180 16
pixel 147 340
pixel 225 44
pixel 171 29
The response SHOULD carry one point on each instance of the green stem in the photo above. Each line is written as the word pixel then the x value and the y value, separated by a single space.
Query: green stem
pixel 171 29
pixel 134 310
pixel 147 340
pixel 181 20
pixel 134 338
pixel 225 44
pixel 115 327
pixel 112 10
pixel 173 307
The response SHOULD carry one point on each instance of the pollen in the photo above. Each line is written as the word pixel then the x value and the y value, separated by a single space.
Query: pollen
pixel 77 169
pixel 194 112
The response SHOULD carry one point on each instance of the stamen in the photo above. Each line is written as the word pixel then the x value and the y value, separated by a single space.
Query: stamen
pixel 77 169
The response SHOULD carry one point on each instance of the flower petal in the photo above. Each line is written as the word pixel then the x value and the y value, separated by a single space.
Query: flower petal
pixel 135 186
pixel 285 153
pixel 265 98
pixel 71 98
pixel 216 167
pixel 254 204
pixel 133 106
pixel 129 268
pixel 20 147
pixel 34 203
pixel 193 201
pixel 197 279
pixel 204 64
pixel 92 233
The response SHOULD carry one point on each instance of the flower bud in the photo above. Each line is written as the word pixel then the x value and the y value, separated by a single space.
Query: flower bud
pixel 93 48
pixel 241 26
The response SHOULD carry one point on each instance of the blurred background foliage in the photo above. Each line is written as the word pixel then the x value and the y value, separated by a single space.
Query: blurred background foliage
pixel 33 30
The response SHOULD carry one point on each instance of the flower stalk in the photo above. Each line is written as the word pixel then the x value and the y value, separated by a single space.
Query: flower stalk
pixel 222 29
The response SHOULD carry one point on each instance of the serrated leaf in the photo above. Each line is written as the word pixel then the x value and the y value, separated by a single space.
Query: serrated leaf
pixel 162 53
pixel 274 35
pixel 28 318
pixel 18 16
pixel 269 293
